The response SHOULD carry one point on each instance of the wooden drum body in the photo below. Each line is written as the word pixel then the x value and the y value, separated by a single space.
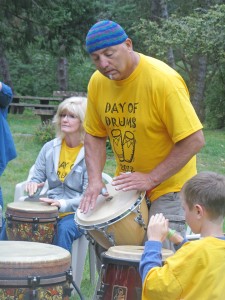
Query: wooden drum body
pixel 31 270
pixel 120 278
pixel 119 219
pixel 31 221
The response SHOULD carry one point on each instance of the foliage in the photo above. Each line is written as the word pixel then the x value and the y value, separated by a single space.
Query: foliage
pixel 35 34
pixel 45 132
pixel 35 75
pixel 51 23
pixel 215 104
pixel 198 43
pixel 80 70
pixel 188 36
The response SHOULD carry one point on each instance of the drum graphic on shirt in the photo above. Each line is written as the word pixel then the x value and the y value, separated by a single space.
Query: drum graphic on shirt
pixel 117 143
pixel 128 146
pixel 123 146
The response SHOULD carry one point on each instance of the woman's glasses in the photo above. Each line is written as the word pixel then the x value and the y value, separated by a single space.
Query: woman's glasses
pixel 68 116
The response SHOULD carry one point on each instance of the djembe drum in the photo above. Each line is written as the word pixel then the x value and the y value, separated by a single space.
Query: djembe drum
pixel 30 270
pixel 119 219
pixel 120 278
pixel 31 221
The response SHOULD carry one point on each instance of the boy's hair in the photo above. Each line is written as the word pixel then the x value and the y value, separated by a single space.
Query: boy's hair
pixel 206 189
pixel 75 106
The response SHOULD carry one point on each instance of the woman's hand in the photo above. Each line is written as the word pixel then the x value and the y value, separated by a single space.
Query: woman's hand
pixel 32 187
pixel 51 202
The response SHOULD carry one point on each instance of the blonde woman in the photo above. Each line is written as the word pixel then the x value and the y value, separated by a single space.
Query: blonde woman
pixel 61 162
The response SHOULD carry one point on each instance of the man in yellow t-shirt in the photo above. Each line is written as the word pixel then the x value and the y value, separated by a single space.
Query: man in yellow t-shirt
pixel 144 107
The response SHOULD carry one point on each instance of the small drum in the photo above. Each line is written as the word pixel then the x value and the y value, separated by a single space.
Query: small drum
pixel 31 270
pixel 120 278
pixel 120 219
pixel 31 221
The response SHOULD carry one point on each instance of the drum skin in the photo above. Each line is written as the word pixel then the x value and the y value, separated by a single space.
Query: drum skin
pixel 120 272
pixel 31 221
pixel 31 270
pixel 116 216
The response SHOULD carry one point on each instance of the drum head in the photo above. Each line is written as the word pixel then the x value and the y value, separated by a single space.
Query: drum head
pixel 30 258
pixel 110 208
pixel 132 253
pixel 32 209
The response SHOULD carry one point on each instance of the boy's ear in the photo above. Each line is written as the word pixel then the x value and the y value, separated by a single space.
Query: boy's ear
pixel 199 210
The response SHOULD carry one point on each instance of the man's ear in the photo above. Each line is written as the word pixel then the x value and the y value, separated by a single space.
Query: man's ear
pixel 129 44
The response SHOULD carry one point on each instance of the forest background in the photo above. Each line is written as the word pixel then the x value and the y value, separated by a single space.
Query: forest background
pixel 42 44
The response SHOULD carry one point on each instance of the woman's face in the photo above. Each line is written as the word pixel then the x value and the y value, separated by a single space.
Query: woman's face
pixel 69 123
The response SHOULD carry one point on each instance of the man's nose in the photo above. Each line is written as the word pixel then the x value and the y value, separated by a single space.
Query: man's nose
pixel 103 62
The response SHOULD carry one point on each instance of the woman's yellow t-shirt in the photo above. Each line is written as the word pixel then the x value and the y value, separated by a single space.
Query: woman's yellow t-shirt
pixel 66 161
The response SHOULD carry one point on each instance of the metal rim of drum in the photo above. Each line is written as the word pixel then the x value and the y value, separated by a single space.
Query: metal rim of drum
pixel 114 220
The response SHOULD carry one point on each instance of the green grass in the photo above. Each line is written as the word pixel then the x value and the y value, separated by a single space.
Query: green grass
pixel 212 156
pixel 23 127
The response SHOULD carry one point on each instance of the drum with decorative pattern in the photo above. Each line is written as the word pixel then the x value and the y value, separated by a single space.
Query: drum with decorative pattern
pixel 31 221
pixel 30 270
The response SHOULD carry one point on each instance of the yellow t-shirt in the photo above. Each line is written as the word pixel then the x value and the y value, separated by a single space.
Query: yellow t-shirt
pixel 66 161
pixel 194 272
pixel 143 115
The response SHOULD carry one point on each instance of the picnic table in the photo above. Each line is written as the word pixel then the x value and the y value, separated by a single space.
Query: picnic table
pixel 45 107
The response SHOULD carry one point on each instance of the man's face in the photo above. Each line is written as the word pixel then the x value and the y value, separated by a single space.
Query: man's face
pixel 114 62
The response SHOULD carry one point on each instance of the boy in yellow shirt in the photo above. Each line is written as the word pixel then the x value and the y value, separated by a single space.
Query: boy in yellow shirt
pixel 196 270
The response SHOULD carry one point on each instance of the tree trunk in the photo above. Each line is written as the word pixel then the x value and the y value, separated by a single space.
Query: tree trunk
pixel 198 82
pixel 155 10
pixel 4 69
pixel 62 74
pixel 165 15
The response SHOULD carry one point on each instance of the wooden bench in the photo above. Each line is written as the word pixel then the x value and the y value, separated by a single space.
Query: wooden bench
pixel 67 94
pixel 45 111
pixel 43 108
pixel 35 105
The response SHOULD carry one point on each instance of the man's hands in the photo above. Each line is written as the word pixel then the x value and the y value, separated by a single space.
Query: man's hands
pixel 91 195
pixel 125 182
pixel 158 228
pixel 133 181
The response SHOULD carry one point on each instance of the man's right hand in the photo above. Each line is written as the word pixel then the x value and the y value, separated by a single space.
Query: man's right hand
pixel 89 199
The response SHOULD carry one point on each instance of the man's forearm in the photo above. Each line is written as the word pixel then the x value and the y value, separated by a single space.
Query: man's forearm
pixel 95 156
pixel 180 155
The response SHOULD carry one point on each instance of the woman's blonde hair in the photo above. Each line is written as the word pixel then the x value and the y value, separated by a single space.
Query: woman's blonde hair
pixel 75 106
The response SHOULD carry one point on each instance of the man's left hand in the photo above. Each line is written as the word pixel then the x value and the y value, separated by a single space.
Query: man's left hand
pixel 133 181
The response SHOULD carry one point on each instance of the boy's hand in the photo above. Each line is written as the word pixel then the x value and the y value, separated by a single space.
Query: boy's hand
pixel 157 228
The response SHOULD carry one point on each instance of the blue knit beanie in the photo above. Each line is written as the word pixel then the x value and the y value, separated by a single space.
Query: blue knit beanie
pixel 104 34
